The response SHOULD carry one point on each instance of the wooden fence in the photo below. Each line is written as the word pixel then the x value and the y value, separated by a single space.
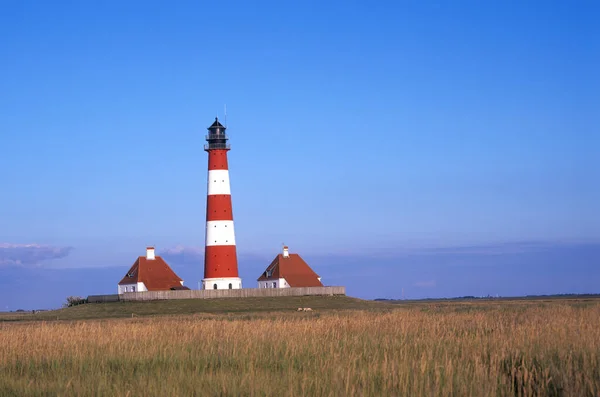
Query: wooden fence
pixel 103 298
pixel 217 293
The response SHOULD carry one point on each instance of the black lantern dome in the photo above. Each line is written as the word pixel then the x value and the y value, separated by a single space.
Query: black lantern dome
pixel 216 138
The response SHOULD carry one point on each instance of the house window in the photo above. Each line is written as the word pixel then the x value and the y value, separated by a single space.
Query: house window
pixel 132 289
pixel 214 286
pixel 274 284
pixel 230 286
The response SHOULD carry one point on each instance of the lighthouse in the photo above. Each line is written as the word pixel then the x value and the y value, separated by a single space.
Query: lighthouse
pixel 220 258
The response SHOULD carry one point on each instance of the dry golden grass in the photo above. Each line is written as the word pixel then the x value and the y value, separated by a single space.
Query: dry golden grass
pixel 533 350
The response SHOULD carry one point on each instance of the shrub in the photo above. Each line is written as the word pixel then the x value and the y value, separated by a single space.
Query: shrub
pixel 74 301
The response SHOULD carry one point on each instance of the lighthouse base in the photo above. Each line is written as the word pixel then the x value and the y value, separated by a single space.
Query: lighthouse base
pixel 222 283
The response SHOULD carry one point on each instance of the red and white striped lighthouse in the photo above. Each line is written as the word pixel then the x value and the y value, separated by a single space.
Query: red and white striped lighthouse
pixel 220 258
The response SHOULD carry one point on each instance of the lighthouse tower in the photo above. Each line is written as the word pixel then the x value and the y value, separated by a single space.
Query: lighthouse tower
pixel 220 258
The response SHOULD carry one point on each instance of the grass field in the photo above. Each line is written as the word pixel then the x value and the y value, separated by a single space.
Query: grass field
pixel 345 347
pixel 233 306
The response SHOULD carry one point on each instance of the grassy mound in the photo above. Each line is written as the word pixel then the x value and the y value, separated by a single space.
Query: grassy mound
pixel 195 306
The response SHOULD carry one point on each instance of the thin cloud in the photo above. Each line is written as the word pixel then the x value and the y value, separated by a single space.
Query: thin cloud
pixel 191 255
pixel 426 284
pixel 518 247
pixel 182 255
pixel 30 254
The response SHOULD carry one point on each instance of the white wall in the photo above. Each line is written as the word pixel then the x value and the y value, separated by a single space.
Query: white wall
pixel 279 283
pixel 135 287
pixel 222 283
pixel 218 182
pixel 220 233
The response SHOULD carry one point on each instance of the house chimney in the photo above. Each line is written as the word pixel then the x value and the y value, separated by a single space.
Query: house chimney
pixel 286 253
pixel 150 253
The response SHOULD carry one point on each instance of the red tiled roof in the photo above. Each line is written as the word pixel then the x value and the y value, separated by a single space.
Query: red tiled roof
pixel 154 273
pixel 296 272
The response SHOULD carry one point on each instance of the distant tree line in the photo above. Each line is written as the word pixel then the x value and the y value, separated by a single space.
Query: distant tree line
pixel 471 297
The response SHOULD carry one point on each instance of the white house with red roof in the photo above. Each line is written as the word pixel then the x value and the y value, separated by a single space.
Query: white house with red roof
pixel 288 270
pixel 150 273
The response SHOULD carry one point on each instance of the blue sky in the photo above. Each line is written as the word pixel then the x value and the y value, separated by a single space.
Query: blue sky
pixel 370 138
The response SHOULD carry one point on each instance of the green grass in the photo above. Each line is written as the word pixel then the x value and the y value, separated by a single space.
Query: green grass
pixel 267 306
pixel 493 304
pixel 234 306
